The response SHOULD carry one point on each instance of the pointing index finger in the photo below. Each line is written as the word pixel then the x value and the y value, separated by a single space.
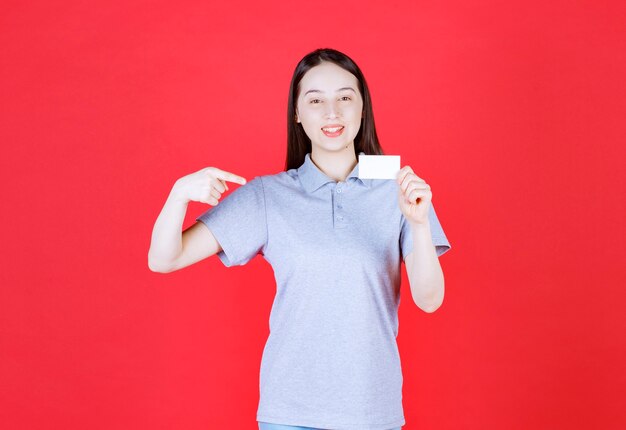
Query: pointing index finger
pixel 231 177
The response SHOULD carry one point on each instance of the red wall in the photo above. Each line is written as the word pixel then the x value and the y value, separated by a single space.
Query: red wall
pixel 513 112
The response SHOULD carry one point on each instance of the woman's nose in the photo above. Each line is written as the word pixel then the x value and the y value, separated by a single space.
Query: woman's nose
pixel 332 111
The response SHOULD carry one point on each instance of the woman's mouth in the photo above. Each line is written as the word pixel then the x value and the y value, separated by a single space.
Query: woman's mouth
pixel 333 131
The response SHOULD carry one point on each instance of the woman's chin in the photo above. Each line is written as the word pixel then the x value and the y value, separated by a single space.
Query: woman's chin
pixel 333 145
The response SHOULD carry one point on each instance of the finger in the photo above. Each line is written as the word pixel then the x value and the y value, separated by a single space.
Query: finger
pixel 404 195
pixel 211 201
pixel 405 170
pixel 407 180
pixel 227 176
pixel 402 173
pixel 217 184
pixel 416 185
pixel 224 183
pixel 410 186
pixel 412 177
pixel 415 194
pixel 215 193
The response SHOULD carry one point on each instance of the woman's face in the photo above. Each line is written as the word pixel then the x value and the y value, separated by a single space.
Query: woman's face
pixel 329 106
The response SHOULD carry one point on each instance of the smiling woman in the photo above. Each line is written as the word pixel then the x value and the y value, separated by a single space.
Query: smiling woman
pixel 335 242
pixel 330 111
pixel 329 107
pixel 340 102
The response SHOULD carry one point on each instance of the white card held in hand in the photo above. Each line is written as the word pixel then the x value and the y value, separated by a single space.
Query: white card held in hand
pixel 379 166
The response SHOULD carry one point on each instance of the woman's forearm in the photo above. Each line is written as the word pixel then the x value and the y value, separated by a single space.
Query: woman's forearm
pixel 424 271
pixel 166 242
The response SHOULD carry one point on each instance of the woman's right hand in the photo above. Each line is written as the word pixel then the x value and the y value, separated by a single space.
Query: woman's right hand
pixel 206 185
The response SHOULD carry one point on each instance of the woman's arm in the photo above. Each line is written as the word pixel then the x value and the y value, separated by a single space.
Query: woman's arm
pixel 424 271
pixel 422 264
pixel 166 244
pixel 169 248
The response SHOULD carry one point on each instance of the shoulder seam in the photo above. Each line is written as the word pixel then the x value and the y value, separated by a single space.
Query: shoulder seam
pixel 267 236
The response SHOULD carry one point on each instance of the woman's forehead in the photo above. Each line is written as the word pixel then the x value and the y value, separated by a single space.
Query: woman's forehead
pixel 327 77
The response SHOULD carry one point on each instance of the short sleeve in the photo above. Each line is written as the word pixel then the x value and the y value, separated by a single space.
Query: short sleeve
pixel 438 236
pixel 239 223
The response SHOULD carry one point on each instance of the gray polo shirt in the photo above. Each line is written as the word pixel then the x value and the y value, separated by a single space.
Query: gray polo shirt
pixel 331 359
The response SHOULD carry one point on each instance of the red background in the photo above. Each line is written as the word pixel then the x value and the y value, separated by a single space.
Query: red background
pixel 513 112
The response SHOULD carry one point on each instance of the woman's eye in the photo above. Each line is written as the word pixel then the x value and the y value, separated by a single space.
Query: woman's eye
pixel 314 100
pixel 346 97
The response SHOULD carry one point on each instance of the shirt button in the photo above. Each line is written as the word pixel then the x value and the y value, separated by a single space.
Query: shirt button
pixel 340 218
pixel 338 190
pixel 339 206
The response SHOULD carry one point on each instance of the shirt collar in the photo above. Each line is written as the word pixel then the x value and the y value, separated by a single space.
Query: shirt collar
pixel 312 177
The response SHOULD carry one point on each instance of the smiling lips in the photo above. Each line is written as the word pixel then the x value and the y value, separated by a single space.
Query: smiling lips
pixel 333 130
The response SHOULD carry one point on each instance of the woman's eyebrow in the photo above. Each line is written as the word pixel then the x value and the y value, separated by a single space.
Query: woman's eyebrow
pixel 340 89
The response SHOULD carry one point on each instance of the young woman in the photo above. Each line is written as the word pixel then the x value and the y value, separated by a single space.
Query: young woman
pixel 336 243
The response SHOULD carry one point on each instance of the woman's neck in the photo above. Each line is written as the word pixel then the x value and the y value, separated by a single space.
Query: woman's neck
pixel 336 165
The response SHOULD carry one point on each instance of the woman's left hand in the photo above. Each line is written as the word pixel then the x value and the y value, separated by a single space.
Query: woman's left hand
pixel 414 196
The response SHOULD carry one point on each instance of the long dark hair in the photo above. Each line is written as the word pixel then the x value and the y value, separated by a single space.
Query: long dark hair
pixel 298 143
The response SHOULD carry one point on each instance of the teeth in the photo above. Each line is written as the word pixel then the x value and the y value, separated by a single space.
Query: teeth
pixel 332 130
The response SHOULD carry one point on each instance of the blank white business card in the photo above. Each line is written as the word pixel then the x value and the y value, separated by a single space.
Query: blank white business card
pixel 379 166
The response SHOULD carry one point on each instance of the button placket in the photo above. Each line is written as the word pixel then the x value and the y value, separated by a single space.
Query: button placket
pixel 339 213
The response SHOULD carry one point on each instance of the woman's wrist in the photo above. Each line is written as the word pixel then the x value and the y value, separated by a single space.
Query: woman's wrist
pixel 420 226
pixel 177 195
